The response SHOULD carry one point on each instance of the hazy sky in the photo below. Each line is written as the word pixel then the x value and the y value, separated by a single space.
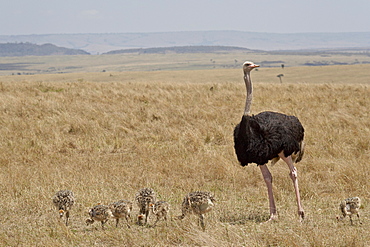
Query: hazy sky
pixel 121 16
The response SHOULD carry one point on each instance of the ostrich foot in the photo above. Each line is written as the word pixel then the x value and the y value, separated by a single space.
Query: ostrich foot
pixel 273 217
pixel 301 215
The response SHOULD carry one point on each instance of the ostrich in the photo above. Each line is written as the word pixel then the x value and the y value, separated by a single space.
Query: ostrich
pixel 144 198
pixel 63 201
pixel 121 209
pixel 160 209
pixel 349 207
pixel 100 213
pixel 198 202
pixel 269 136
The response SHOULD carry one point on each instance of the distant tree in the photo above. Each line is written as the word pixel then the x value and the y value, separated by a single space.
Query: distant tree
pixel 280 75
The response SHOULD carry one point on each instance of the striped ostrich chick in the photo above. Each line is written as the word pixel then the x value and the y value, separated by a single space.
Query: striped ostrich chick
pixel 121 209
pixel 63 201
pixel 198 203
pixel 350 206
pixel 160 209
pixel 100 213
pixel 144 197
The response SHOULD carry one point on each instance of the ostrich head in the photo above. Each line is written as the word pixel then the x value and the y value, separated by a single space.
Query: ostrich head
pixel 61 213
pixel 89 221
pixel 249 66
pixel 140 219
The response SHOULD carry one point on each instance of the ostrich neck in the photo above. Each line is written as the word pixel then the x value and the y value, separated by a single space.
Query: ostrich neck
pixel 248 85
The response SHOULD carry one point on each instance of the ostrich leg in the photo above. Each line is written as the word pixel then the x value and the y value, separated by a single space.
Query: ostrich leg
pixel 294 176
pixel 268 180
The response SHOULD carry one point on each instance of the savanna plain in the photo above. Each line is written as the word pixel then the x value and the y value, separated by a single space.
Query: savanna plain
pixel 106 135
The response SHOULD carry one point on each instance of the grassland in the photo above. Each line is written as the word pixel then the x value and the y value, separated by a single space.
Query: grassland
pixel 106 135
pixel 170 61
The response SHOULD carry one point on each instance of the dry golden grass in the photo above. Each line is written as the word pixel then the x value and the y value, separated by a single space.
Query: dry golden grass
pixel 104 137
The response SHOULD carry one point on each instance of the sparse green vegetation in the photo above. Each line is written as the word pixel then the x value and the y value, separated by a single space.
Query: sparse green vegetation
pixel 106 135
pixel 170 61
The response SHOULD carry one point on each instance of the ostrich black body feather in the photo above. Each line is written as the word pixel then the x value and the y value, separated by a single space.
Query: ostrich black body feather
pixel 260 138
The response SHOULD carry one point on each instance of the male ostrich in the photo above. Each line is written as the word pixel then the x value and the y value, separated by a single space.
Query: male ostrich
pixel 269 136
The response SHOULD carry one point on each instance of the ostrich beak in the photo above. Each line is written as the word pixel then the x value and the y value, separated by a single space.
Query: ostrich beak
pixel 254 66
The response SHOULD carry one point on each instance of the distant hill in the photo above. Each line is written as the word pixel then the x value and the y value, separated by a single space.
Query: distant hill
pixel 105 42
pixel 182 49
pixel 28 49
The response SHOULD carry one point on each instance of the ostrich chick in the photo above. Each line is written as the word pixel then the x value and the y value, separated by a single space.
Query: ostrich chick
pixel 198 203
pixel 349 207
pixel 144 198
pixel 63 201
pixel 100 213
pixel 121 209
pixel 160 209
